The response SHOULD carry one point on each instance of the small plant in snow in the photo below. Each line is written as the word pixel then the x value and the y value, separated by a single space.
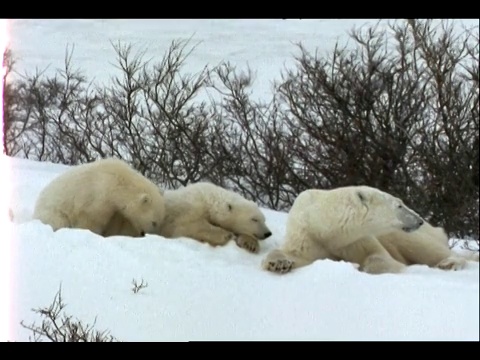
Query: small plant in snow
pixel 138 286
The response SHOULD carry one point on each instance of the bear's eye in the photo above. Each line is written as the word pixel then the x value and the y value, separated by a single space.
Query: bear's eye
pixel 399 206
pixel 254 220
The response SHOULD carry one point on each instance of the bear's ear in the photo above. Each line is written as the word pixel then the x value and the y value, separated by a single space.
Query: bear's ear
pixel 229 207
pixel 362 197
pixel 144 198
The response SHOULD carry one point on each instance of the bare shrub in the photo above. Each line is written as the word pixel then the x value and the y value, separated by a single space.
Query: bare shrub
pixel 398 110
pixel 137 286
pixel 255 148
pixel 160 129
pixel 57 326
pixel 448 135
pixel 9 103
pixel 378 115
pixel 52 117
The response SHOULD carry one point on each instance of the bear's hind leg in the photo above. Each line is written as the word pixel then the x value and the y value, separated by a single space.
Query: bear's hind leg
pixel 457 261
pixel 279 262
pixel 381 264
pixel 428 251
pixel 56 219
pixel 453 262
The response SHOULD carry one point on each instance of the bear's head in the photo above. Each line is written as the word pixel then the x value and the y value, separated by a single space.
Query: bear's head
pixel 145 211
pixel 245 218
pixel 384 212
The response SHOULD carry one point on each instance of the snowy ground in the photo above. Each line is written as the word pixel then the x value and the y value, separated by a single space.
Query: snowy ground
pixel 196 292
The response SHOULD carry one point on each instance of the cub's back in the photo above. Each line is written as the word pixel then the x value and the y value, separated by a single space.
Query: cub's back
pixel 82 182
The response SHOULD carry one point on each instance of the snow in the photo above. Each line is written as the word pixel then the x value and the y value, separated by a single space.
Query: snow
pixel 5 261
pixel 41 44
pixel 196 292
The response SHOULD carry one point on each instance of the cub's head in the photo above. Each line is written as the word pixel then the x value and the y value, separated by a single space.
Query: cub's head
pixel 146 211
pixel 384 213
pixel 245 218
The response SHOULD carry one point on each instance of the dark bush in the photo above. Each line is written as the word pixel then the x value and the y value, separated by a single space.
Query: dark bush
pixel 400 115
pixel 57 326
pixel 399 111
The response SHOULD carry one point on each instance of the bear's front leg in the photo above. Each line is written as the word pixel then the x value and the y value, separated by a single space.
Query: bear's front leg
pixel 248 243
pixel 203 231
pixel 281 262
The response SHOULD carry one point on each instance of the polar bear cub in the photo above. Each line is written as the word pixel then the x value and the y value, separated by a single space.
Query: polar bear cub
pixel 92 196
pixel 212 214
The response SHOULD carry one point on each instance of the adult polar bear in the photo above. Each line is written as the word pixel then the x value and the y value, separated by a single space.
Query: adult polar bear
pixel 93 195
pixel 209 213
pixel 362 225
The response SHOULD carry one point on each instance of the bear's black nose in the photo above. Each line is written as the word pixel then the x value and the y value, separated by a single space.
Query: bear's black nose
pixel 267 234
pixel 420 223
pixel 142 233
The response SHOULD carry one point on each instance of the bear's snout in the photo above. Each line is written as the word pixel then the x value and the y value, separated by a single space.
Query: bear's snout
pixel 414 227
pixel 267 234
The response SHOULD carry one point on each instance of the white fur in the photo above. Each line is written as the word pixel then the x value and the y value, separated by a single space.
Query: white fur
pixel 210 213
pixel 362 225
pixel 91 196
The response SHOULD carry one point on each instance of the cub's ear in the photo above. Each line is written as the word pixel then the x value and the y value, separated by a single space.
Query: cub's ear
pixel 362 197
pixel 144 198
pixel 229 207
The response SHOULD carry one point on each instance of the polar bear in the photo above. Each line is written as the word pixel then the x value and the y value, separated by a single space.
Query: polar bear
pixel 92 196
pixel 209 213
pixel 426 246
pixel 362 225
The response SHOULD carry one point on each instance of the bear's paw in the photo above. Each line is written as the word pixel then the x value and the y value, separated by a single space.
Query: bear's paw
pixel 279 266
pixel 452 263
pixel 248 243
